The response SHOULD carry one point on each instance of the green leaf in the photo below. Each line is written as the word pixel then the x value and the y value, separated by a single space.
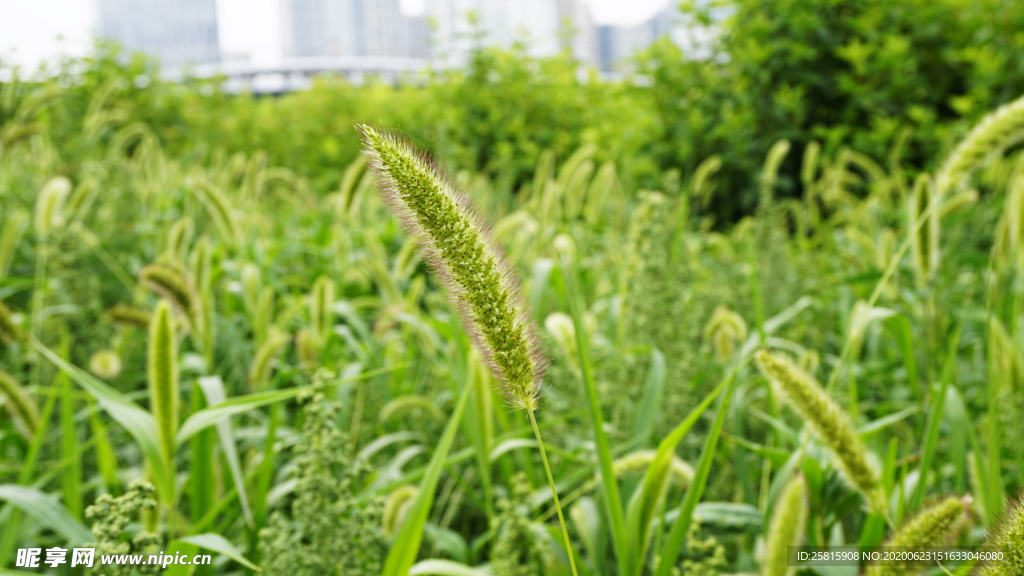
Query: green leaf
pixel 900 327
pixel 47 510
pixel 219 544
pixel 210 416
pixel 931 439
pixel 648 412
pixel 875 426
pixel 647 498
pixel 673 545
pixel 511 444
pixel 444 568
pixel 407 542
pixel 218 413
pixel 213 390
pixel 138 422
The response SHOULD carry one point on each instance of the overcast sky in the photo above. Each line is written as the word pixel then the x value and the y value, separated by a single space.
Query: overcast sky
pixel 32 31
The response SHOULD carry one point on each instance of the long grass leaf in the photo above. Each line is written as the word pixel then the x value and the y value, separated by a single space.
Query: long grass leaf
pixel 220 545
pixel 136 421
pixel 407 542
pixel 673 544
pixel 47 510
pixel 213 389
pixel 651 402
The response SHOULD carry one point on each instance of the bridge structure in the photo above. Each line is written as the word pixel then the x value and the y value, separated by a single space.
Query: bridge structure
pixel 290 74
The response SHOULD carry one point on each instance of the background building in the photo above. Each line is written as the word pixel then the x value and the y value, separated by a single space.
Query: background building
pixel 616 44
pixel 545 26
pixel 179 33
pixel 318 28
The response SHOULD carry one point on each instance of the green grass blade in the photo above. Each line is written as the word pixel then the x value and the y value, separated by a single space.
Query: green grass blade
pixel 201 470
pixel 407 542
pixel 436 567
pixel 213 389
pixel 47 510
pixel 931 439
pixel 651 402
pixel 106 458
pixel 219 544
pixel 900 327
pixel 673 545
pixel 71 476
pixel 209 416
pixel 136 421
pixel 609 485
pixel 647 499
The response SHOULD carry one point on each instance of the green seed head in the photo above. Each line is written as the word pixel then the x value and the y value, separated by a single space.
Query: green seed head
pixel 1009 535
pixel 938 525
pixel 787 527
pixel 106 364
pixel 9 330
pixel 19 403
pixel 162 363
pixel 473 269
pixel 50 205
pixel 174 285
pixel 831 422
pixel 128 315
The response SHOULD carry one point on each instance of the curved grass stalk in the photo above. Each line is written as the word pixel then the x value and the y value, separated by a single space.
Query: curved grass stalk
pixel 478 279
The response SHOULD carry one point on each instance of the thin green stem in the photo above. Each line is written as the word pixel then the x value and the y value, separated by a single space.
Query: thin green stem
pixel 554 491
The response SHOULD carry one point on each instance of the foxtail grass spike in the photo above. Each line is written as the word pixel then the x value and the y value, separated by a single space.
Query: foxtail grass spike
pixel 9 330
pixel 263 316
pixel 997 131
pixel 832 423
pixel 178 239
pixel 680 472
pixel 173 285
pixel 250 286
pixel 19 403
pixel 1009 536
pixel 925 243
pixel 396 508
pixel 50 205
pixel 10 237
pixel 770 171
pixel 405 404
pixel 725 329
pixel 809 166
pixel 218 207
pixel 321 309
pixel 128 315
pixel 472 267
pixel 941 524
pixel 162 364
pixel 261 368
pixel 786 528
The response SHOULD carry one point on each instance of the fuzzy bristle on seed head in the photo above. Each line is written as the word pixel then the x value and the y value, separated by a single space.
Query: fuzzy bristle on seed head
pixel 940 524
pixel 1008 534
pixel 461 251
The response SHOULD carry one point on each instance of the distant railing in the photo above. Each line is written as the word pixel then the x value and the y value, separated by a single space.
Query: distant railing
pixel 290 74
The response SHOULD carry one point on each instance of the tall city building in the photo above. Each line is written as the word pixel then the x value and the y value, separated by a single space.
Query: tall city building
pixel 544 26
pixel 178 33
pixel 351 28
pixel 616 44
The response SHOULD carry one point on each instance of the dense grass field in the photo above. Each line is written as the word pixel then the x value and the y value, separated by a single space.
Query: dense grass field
pixel 217 338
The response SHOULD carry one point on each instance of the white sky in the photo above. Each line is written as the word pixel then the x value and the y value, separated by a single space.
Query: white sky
pixel 32 31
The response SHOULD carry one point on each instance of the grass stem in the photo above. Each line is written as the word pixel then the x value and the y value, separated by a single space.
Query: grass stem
pixel 554 491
